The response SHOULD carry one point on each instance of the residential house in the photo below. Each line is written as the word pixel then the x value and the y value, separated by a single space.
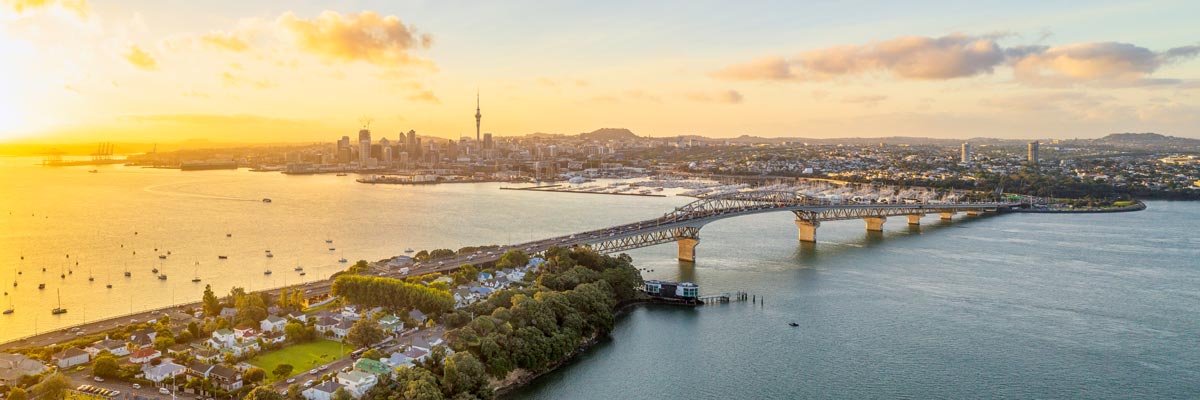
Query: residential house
pixel 357 382
pixel 444 279
pixel 208 355
pixel 299 316
pixel 323 391
pixel 272 324
pixel 391 323
pixel 15 366
pixel 342 328
pixel 144 355
pixel 142 338
pixel 325 324
pixel 198 369
pixel 371 366
pixel 228 312
pixel 482 291
pixel 178 350
pixel 243 348
pixel 225 377
pixel 245 332
pixel 274 337
pixel 407 357
pixel 70 357
pixel 161 372
pixel 115 347
pixel 222 338
pixel 417 315
pixel 485 276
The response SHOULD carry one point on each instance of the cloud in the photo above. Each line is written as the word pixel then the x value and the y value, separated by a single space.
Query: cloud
pixel 867 100
pixel 224 41
pixel 140 58
pixel 1103 62
pixel 960 56
pixel 366 36
pixel 425 96
pixel 213 119
pixel 724 96
pixel 80 7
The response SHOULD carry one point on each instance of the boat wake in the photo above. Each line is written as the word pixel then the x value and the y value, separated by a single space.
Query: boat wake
pixel 159 189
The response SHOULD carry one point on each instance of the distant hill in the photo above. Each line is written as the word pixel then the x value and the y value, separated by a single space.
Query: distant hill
pixel 1146 140
pixel 609 134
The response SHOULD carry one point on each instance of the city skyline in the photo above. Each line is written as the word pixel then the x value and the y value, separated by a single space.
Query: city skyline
pixel 303 72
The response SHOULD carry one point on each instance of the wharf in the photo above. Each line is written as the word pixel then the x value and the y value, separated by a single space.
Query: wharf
pixel 724 297
pixel 553 188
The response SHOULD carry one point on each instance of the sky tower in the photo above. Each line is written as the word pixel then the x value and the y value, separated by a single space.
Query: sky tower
pixel 477 115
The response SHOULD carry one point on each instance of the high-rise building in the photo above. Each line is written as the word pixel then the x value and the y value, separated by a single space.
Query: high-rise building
pixel 966 153
pixel 385 151
pixel 488 144
pixel 364 146
pixel 343 143
pixel 1033 153
pixel 478 116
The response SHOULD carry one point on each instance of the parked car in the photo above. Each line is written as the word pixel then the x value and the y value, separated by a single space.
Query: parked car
pixel 291 380
pixel 309 383
pixel 137 386
pixel 164 391
pixel 98 379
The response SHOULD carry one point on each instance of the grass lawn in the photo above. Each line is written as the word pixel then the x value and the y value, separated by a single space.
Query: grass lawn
pixel 302 357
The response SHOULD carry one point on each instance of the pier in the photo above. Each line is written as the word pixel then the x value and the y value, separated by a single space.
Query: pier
pixel 723 297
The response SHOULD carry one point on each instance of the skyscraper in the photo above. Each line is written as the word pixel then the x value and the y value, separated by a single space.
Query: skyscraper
pixel 364 146
pixel 1033 153
pixel 478 116
pixel 966 153
pixel 487 141
pixel 385 150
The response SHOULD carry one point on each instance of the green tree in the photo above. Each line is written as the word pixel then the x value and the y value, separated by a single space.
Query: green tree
pixel 372 354
pixel 105 366
pixel 341 394
pixel 20 394
pixel 162 342
pixel 283 370
pixel 295 392
pixel 463 373
pixel 52 387
pixel 212 306
pixel 296 332
pixel 365 332
pixel 254 375
pixel 263 393
pixel 513 259
pixel 359 267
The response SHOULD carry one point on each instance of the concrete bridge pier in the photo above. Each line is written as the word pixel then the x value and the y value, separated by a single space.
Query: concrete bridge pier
pixel 915 219
pixel 687 249
pixel 973 213
pixel 949 215
pixel 875 224
pixel 808 230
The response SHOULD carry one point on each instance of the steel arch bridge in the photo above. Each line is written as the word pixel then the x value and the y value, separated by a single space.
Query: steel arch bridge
pixel 682 225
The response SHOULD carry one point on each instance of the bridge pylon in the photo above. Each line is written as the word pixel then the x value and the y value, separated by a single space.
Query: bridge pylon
pixel 915 219
pixel 948 215
pixel 808 230
pixel 875 224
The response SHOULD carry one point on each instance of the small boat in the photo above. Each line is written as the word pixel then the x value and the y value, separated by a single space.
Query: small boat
pixel 196 279
pixel 302 273
pixel 196 274
pixel 93 171
pixel 332 249
pixel 228 235
pixel 793 324
pixel 41 286
pixel 266 200
pixel 222 257
pixel 269 255
pixel 342 260
pixel 91 279
pixel 128 274
pixel 328 240
pixel 59 309
pixel 267 272
pixel 162 256
pixel 155 270
pixel 341 174
pixel 408 250
pixel 298 268
pixel 162 277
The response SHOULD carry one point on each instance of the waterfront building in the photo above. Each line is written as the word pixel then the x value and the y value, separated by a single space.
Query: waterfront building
pixel 1033 153
pixel 364 145
pixel 672 290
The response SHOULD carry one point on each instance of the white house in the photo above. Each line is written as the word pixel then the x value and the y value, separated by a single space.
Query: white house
pixel 391 323
pixel 324 391
pixel 15 366
pixel 70 357
pixel 160 372
pixel 115 347
pixel 357 382
pixel 272 324
pixel 223 338
pixel 342 328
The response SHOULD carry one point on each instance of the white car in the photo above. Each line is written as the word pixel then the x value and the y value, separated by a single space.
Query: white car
pixel 164 391
pixel 98 379
pixel 137 386
pixel 291 380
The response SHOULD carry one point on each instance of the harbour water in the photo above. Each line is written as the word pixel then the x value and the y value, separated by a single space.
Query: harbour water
pixel 1025 305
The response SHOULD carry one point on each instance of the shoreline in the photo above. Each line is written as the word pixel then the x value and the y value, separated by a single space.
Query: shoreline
pixel 523 380
pixel 1138 206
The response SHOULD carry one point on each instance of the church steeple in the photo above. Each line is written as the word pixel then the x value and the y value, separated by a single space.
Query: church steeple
pixel 478 116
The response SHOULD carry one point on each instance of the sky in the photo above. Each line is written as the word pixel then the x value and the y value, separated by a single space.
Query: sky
pixel 301 71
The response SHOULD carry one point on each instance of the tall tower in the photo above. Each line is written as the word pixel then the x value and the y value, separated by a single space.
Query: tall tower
pixel 478 116
pixel 1033 153
pixel 966 153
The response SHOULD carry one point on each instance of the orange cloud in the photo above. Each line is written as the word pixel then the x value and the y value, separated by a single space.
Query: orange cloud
pixel 425 96
pixel 724 96
pixel 1108 62
pixel 959 56
pixel 225 41
pixel 140 58
pixel 366 36
pixel 80 7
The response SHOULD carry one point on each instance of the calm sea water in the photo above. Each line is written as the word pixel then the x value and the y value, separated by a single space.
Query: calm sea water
pixel 1016 306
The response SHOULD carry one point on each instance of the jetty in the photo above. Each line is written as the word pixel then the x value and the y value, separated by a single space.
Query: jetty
pixel 724 297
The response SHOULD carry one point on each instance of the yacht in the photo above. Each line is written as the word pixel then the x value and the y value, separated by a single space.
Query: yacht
pixel 41 286
pixel 299 268
pixel 328 240
pixel 267 272
pixel 342 260
pixel 269 255
pixel 162 256
pixel 266 200
pixel 59 309
pixel 408 250
pixel 222 257
pixel 162 277
pixel 9 310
